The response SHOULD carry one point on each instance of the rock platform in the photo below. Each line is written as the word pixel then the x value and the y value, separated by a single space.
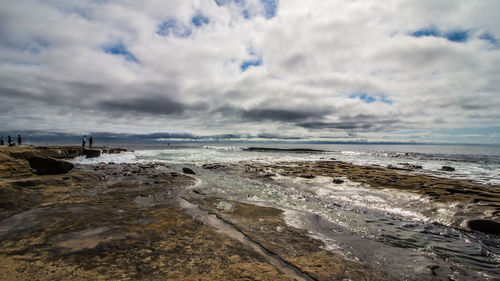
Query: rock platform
pixel 125 222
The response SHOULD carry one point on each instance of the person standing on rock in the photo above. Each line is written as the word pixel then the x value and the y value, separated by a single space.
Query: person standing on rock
pixel 19 139
pixel 90 142
pixel 9 140
pixel 1 141
pixel 84 140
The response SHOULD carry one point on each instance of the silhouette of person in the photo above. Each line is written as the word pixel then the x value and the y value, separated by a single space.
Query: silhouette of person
pixel 84 140
pixel 9 140
pixel 90 142
pixel 19 139
pixel 1 141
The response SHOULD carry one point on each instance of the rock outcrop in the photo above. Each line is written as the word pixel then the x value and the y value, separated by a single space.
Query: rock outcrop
pixel 92 153
pixel 338 181
pixel 447 169
pixel 188 171
pixel 485 226
pixel 212 166
pixel 405 166
pixel 49 166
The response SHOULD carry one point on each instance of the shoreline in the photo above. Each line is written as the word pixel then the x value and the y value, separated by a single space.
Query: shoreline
pixel 124 221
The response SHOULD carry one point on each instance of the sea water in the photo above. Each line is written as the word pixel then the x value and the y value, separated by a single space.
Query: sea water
pixel 395 219
pixel 480 163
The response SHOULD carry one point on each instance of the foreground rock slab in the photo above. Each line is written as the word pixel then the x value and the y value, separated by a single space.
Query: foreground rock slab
pixel 96 224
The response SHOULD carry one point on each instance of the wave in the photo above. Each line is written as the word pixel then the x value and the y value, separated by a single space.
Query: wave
pixel 298 150
pixel 459 158
pixel 225 148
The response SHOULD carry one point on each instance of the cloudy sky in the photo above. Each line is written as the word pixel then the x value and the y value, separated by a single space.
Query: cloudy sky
pixel 341 70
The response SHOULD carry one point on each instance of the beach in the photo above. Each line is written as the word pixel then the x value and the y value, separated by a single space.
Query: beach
pixel 251 219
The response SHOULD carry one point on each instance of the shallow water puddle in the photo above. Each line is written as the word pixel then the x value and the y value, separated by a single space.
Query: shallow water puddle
pixel 22 221
pixel 84 239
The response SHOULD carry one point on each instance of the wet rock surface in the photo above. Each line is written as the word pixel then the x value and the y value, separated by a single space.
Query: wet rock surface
pixel 447 169
pixel 124 222
pixel 95 224
pixel 399 208
pixel 480 201
pixel 267 227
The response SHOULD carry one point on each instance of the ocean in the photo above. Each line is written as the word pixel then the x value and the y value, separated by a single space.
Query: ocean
pixel 480 163
pixel 400 231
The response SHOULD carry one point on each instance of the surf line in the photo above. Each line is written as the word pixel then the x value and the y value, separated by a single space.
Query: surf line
pixel 225 228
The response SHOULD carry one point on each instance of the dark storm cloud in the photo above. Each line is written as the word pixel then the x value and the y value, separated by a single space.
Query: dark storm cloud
pixel 14 93
pixel 37 136
pixel 335 125
pixel 45 96
pixel 87 88
pixel 283 115
pixel 155 105
pixel 361 125
pixel 276 136
pixel 274 114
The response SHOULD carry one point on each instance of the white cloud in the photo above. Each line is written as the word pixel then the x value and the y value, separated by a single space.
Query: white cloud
pixel 315 55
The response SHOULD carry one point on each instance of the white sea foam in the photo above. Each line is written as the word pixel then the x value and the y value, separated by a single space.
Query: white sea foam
pixel 125 157
pixel 478 171
pixel 356 195
pixel 225 148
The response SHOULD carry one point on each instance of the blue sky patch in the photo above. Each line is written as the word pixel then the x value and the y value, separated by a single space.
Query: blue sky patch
pixel 250 63
pixel 119 49
pixel 246 14
pixel 459 36
pixel 430 31
pixel 270 8
pixel 173 27
pixel 490 38
pixel 366 98
pixel 199 20
pixel 225 2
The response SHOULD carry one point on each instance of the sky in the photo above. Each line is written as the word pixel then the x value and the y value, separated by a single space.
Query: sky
pixel 293 70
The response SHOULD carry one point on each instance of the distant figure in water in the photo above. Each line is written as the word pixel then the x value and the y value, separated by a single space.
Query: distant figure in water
pixel 9 140
pixel 19 139
pixel 90 141
pixel 1 141
pixel 84 140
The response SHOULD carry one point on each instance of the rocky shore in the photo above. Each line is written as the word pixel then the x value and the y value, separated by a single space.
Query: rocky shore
pixel 154 222
pixel 481 202
pixel 126 222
